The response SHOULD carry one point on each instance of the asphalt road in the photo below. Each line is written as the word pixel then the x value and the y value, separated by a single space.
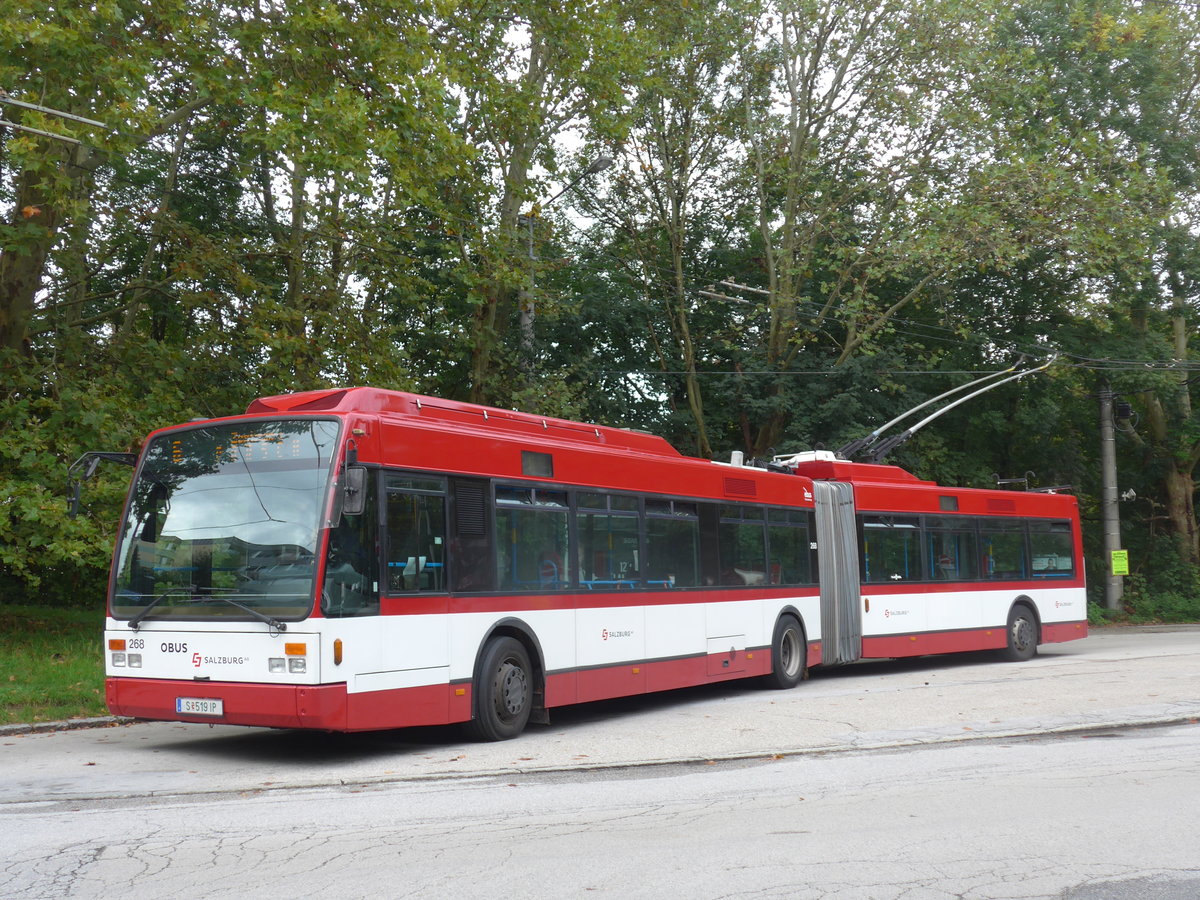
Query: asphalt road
pixel 1073 776
pixel 1103 816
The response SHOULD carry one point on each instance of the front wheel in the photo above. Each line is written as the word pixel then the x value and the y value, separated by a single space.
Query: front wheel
pixel 503 695
pixel 789 654
pixel 1022 635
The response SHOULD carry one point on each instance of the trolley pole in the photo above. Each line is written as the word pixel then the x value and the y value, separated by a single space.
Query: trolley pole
pixel 1114 585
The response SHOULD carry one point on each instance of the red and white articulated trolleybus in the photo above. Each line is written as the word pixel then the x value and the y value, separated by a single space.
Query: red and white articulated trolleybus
pixel 363 559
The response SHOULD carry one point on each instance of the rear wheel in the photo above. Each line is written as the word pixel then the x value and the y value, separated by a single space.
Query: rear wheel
pixel 789 654
pixel 1022 634
pixel 503 695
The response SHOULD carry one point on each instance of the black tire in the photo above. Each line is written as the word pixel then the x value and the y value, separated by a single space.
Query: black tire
pixel 789 655
pixel 503 695
pixel 1022 635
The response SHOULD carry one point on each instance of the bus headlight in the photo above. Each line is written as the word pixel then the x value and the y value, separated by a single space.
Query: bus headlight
pixel 276 665
pixel 118 659
pixel 297 664
pixel 135 660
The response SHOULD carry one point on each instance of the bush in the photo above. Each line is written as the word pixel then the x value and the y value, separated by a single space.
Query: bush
pixel 1144 603
pixel 47 420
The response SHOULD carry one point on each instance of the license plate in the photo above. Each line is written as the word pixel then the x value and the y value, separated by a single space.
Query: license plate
pixel 196 706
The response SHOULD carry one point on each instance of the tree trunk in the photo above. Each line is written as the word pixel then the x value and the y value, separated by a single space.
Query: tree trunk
pixel 1181 512
pixel 35 223
pixel 770 432
pixel 1178 480
pixel 36 220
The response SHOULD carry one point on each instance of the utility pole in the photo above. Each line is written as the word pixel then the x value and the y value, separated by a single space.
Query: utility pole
pixel 1114 585
pixel 525 297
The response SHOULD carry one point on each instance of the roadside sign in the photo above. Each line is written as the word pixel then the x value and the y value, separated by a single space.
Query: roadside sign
pixel 1120 562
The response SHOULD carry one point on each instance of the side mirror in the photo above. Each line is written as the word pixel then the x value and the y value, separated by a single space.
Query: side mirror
pixel 354 491
pixel 85 467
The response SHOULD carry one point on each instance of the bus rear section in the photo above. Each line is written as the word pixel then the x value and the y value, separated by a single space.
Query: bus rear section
pixel 942 570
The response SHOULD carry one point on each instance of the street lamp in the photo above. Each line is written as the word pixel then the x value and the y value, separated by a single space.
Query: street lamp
pixel 528 305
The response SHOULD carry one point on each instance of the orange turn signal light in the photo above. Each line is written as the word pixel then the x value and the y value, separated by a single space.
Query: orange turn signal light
pixel 337 652
pixel 295 649
pixel 116 644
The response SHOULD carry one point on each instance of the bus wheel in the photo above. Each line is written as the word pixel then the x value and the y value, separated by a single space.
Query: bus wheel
pixel 789 654
pixel 1022 635
pixel 503 696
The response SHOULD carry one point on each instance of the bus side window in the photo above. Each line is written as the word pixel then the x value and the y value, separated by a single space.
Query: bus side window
pixel 416 533
pixel 672 543
pixel 1051 549
pixel 531 546
pixel 1002 550
pixel 710 553
pixel 609 544
pixel 790 554
pixel 951 542
pixel 743 547
pixel 891 549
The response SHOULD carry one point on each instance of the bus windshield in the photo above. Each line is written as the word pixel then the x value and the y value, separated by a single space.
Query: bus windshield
pixel 223 522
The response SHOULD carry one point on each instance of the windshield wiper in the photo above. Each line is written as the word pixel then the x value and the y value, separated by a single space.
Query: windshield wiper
pixel 261 616
pixel 187 592
pixel 191 594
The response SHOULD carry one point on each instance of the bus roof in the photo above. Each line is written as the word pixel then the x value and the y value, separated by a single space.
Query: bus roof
pixel 885 487
pixel 877 486
pixel 824 466
pixel 469 439
pixel 367 400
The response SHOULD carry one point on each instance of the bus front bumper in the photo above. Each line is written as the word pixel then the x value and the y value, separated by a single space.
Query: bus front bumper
pixel 267 705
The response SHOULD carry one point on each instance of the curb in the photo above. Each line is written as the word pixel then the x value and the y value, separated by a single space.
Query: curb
pixel 64 725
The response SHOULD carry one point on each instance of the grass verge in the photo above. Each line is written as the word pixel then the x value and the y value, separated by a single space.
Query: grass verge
pixel 51 664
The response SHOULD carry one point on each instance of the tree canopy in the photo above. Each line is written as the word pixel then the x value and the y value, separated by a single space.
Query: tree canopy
pixel 818 213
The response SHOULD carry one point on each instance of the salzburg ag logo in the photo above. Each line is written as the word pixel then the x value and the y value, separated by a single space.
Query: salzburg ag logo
pixel 196 660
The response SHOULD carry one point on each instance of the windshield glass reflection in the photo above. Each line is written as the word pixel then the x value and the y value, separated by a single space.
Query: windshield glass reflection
pixel 225 518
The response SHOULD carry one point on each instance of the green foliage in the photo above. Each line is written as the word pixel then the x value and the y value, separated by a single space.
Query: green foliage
pixel 1180 602
pixel 47 420
pixel 1163 587
pixel 286 197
